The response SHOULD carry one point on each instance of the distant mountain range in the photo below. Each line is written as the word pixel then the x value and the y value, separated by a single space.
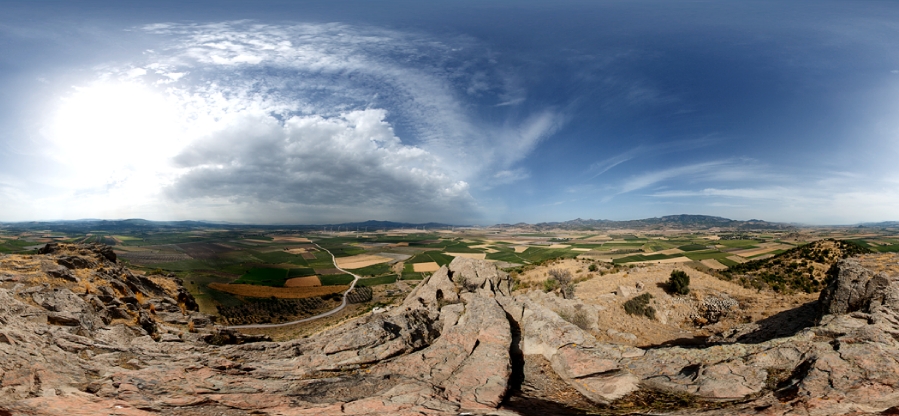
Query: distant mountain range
pixel 658 223
pixel 684 221
pixel 136 224
pixel 883 224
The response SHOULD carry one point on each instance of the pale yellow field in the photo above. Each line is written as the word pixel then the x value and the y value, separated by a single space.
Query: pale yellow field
pixel 288 239
pixel 296 251
pixel 713 264
pixel 480 246
pixel 307 281
pixel 430 266
pixel 477 256
pixel 492 250
pixel 520 249
pixel 737 259
pixel 754 251
pixel 582 249
pixel 362 260
pixel 666 252
pixel 680 259
pixel 559 246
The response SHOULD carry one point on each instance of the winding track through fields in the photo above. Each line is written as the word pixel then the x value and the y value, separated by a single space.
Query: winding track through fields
pixel 311 318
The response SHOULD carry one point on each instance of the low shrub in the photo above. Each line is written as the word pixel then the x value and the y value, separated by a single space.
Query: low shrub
pixel 639 306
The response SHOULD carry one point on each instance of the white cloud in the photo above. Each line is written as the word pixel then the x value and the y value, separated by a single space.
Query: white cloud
pixel 350 160
pixel 304 116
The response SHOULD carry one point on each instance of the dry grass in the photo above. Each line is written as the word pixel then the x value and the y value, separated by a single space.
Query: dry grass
pixel 289 239
pixel 254 291
pixel 477 256
pixel 713 264
pixel 362 260
pixel 308 281
pixel 425 267
pixel 672 312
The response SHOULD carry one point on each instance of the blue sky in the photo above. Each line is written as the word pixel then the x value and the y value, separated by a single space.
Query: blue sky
pixel 452 111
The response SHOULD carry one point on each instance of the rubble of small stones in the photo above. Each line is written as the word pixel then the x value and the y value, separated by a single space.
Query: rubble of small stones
pixel 80 332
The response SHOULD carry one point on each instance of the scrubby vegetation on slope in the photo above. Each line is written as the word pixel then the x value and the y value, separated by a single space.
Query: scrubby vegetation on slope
pixel 802 268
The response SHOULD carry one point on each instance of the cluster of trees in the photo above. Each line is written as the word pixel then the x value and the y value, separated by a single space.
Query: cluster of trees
pixel 267 311
pixel 359 294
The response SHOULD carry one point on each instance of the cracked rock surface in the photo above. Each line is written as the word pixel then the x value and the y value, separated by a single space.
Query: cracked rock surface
pixel 80 334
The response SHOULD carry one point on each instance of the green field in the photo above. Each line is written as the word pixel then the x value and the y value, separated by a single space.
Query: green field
pixel 335 279
pixel 738 243
pixel 264 276
pixel 300 272
pixel 373 270
pixel 693 247
pixel 374 281
pixel 441 259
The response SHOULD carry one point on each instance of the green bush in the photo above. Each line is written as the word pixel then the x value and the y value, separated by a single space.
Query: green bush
pixel 593 268
pixel 550 284
pixel 679 282
pixel 639 306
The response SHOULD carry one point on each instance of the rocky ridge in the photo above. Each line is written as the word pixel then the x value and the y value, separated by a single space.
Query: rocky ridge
pixel 79 334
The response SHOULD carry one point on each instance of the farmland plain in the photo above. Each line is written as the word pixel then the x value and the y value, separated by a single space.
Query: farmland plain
pixel 229 267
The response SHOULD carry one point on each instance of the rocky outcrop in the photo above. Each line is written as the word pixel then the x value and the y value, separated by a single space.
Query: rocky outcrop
pixel 104 340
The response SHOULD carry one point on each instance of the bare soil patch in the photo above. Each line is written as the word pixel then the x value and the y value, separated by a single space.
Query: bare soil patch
pixel 425 267
pixel 361 260
pixel 296 250
pixel 308 281
pixel 255 291
pixel 559 246
pixel 520 249
pixel 328 271
pixel 308 256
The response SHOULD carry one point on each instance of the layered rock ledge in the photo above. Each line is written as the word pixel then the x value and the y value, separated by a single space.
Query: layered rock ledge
pixel 80 334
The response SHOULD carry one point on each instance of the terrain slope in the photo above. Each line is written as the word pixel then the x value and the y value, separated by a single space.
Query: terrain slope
pixel 79 334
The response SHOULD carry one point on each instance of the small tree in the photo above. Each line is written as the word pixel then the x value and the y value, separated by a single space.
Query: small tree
pixel 593 267
pixel 565 283
pixel 679 282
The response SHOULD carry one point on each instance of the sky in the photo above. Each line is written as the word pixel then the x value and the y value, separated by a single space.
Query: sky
pixel 460 112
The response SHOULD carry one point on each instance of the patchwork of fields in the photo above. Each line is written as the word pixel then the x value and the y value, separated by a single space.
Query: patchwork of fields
pixel 229 268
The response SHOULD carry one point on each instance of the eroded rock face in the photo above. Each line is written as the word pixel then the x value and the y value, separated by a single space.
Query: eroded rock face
pixel 87 339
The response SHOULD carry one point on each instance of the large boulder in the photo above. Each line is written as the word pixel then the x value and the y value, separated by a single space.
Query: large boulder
pixel 462 275
pixel 854 288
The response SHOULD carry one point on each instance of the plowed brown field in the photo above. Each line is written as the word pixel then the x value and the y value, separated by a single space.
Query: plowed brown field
pixel 307 281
